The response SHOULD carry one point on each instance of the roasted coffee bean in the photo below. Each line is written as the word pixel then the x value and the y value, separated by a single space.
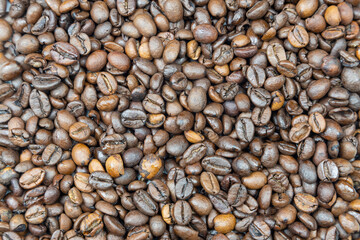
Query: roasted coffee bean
pixel 32 178
pixel 91 225
pixel 216 165
pixel 64 53
pixel 112 144
pixel 106 83
pixel 328 171
pixel 52 154
pixel 45 82
pixel 39 103
pixel 100 180
pixel 278 182
pixel 79 131
pixel 299 132
pixel 209 182
pixel 81 42
pixel 145 203
pixel 245 129
pixel 298 36
pixel 237 195
pixel 220 203
pixel 184 188
pixel 182 212
pixel 150 166
pixel 158 190
pixel 36 214
pixel 133 118
pixel 194 154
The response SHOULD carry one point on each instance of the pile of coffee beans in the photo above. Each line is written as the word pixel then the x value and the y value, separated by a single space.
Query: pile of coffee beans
pixel 179 119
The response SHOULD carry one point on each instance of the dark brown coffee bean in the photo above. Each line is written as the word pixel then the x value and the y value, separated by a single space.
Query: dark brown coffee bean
pixel 237 195
pixel 328 171
pixel 278 182
pixel 220 203
pixel 45 82
pixel 209 182
pixel 182 212
pixel 216 165
pixel 145 203
pixel 32 178
pixel 81 42
pixel 112 144
pixel 245 129
pixel 299 132
pixel 287 68
pixel 184 188
pixel 100 180
pixel 52 154
pixel 106 83
pixel 64 53
pixel 36 214
pixel 205 33
pixel 158 190
pixel 39 103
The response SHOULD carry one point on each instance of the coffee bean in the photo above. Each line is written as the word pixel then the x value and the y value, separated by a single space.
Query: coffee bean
pixel 216 165
pixel 237 195
pixel 182 212
pixel 328 171
pixel 275 54
pixel 278 182
pixel 205 33
pixel 184 188
pixel 45 82
pixel 150 166
pixel 145 203
pixel 298 37
pixel 36 214
pixel 100 180
pixel 245 129
pixel 112 144
pixel 32 178
pixel 91 224
pixel 64 53
pixel 209 183
pixel 79 131
pixel 39 103
pixel 81 42
pixel 158 190
pixel 52 154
